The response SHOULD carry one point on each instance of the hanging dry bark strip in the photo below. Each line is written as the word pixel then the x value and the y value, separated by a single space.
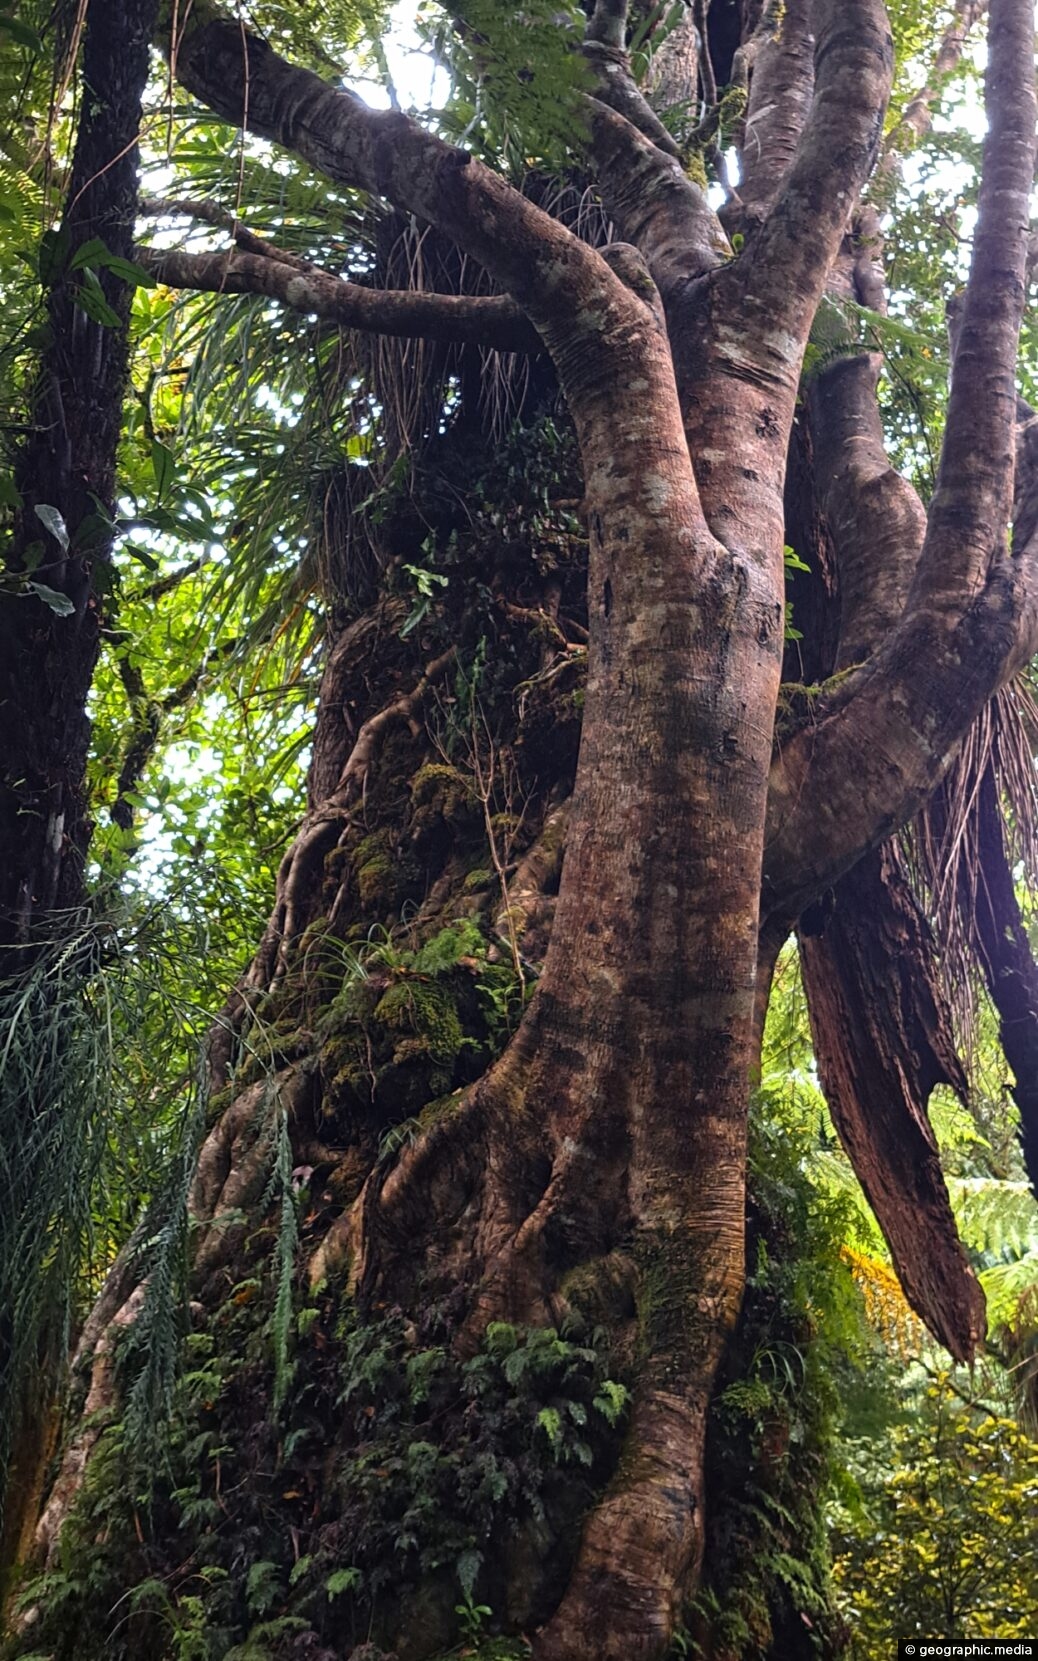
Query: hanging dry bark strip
pixel 883 1040
pixel 1006 959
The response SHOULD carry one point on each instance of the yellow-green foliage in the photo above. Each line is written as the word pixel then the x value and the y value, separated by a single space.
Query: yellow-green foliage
pixel 947 1542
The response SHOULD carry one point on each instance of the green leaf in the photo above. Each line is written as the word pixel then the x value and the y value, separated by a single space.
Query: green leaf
pixel 468 1567
pixel 20 32
pixel 90 298
pixel 163 465
pixel 59 603
pixel 89 253
pixel 342 1580
pixel 97 254
pixel 549 1419
pixel 792 560
pixel 611 1400
pixel 53 520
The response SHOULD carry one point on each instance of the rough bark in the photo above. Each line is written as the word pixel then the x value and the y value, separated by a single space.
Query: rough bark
pixel 885 737
pixel 779 100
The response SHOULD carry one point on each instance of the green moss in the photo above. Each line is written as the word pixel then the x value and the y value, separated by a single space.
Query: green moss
pixel 695 168
pixel 336 861
pixel 376 869
pixel 733 105
pixel 505 824
pixel 219 1102
pixel 482 877
pixel 354 1003
pixel 437 1112
pixel 314 933
pixel 602 1291
pixel 346 1070
pixel 287 1041
pixel 440 786
pixel 423 1013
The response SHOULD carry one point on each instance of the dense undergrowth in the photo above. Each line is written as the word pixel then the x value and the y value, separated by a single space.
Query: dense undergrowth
pixel 374 1506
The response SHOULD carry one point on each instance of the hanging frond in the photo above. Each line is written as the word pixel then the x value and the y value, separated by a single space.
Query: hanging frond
pixel 997 1219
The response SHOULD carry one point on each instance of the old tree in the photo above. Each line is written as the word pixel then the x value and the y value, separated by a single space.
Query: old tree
pixel 476 1136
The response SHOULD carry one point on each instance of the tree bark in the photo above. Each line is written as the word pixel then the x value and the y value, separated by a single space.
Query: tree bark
pixel 612 1131
pixel 882 1036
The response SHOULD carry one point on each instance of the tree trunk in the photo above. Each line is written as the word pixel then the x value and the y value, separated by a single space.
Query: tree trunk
pixel 58 565
pixel 66 478
pixel 595 1171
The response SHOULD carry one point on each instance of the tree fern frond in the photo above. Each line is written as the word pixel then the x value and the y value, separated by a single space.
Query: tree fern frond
pixel 996 1218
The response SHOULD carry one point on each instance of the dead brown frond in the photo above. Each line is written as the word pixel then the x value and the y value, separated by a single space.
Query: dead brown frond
pixel 413 379
pixel 945 848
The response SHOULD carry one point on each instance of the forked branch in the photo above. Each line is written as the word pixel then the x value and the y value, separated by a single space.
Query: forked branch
pixel 887 738
pixel 780 278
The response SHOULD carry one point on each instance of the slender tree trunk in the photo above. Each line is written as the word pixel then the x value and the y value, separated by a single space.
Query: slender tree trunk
pixel 49 644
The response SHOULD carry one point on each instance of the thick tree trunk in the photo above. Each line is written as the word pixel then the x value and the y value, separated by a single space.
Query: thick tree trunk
pixel 606 1147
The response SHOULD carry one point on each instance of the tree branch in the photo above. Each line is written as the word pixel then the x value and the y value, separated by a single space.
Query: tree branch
pixel 917 115
pixel 875 518
pixel 482 320
pixel 605 49
pixel 607 25
pixel 535 258
pixel 211 213
pixel 655 205
pixel 780 278
pixel 971 506
pixel 778 106
pixel 639 169
pixel 889 733
pixel 617 89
